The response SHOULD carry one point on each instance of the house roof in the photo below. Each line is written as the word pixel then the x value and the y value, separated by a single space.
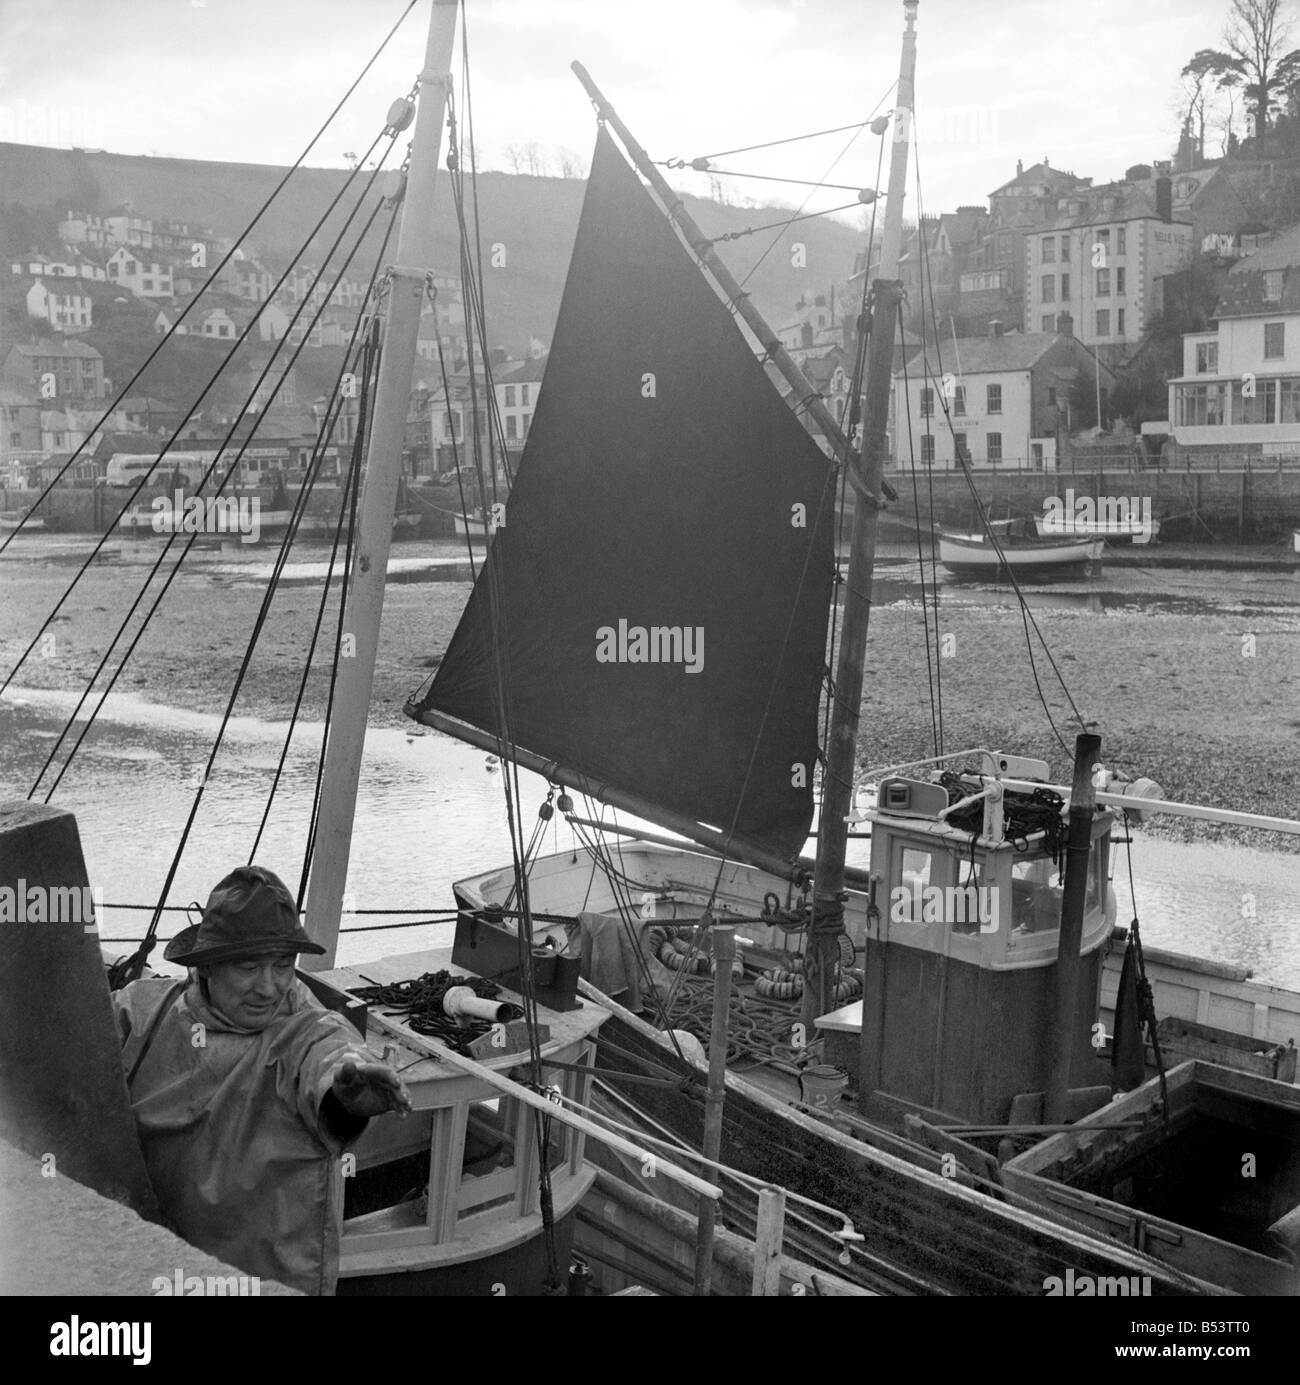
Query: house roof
pixel 523 373
pixel 1027 180
pixel 51 348
pixel 139 403
pixel 1243 294
pixel 1129 202
pixel 1281 253
pixel 987 354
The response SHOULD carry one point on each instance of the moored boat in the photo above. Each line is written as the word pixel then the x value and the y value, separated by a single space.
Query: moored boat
pixel 975 555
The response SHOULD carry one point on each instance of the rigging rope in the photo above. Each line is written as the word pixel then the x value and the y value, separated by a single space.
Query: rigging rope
pixel 125 391
pixel 144 479
pixel 131 967
pixel 231 471
pixel 334 409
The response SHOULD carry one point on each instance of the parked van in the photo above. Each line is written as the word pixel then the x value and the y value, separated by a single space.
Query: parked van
pixel 126 468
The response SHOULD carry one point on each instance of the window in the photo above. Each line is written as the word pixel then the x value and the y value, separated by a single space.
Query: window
pixel 1065 288
pixel 1272 286
pixel 510 396
pixel 1065 249
pixel 523 424
pixel 1036 454
pixel 1119 322
pixel 1274 340
pixel 994 399
pixel 959 400
pixel 1049 288
pixel 1103 283
pixel 927 402
pixel 1119 282
pixel 1049 322
pixel 959 445
pixel 1101 242
pixel 927 449
pixel 1103 322
pixel 914 875
pixel 1289 401
pixel 1257 406
pixel 1049 249
pixel 995 448
pixel 1199 406
pixel 523 394
pixel 512 426
pixel 1121 238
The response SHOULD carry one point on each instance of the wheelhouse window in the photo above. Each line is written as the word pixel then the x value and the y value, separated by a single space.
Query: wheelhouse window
pixel 914 875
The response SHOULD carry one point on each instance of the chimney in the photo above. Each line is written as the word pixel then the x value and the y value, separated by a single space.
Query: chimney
pixel 1064 325
pixel 1165 199
pixel 1020 168
pixel 995 328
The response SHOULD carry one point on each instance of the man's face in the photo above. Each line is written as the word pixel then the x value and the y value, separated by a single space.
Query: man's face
pixel 250 991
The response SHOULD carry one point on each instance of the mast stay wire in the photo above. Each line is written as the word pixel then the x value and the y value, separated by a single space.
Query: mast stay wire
pixel 180 427
pixel 129 968
pixel 193 538
pixel 368 351
pixel 125 391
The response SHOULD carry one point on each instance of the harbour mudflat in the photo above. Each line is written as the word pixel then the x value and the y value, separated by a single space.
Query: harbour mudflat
pixel 1192 678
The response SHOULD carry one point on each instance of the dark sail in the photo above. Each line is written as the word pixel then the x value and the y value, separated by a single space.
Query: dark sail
pixel 662 596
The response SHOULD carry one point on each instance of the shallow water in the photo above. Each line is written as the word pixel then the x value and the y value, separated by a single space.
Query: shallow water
pixel 430 812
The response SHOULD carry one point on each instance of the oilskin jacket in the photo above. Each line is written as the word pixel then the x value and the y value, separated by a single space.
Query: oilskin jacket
pixel 244 1161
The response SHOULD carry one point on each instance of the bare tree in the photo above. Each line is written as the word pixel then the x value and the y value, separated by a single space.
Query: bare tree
pixel 571 165
pixel 534 158
pixel 1254 57
pixel 515 157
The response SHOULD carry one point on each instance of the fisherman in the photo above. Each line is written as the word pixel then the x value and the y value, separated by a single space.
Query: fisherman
pixel 246 1091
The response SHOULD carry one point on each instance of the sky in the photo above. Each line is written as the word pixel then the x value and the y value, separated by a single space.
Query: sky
pixel 1091 85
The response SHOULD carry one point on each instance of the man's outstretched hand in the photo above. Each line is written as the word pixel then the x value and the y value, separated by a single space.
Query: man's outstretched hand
pixel 370 1089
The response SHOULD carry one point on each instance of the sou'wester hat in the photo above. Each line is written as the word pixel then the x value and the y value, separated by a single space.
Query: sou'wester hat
pixel 249 914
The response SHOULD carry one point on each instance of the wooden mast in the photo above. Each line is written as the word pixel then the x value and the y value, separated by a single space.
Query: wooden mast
pixel 841 752
pixel 407 286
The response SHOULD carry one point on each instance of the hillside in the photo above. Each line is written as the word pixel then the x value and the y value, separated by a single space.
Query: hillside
pixel 534 219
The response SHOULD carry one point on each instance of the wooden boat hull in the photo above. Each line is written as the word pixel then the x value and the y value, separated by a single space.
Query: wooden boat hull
pixel 969 555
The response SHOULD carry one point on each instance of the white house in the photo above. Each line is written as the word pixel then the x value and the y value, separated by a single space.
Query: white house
pixel 516 391
pixel 64 304
pixel 1007 397
pixel 67 264
pixel 272 322
pixel 145 278
pixel 217 323
pixel 1240 385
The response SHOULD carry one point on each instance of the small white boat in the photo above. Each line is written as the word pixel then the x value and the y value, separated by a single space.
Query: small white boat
pixel 473 526
pixel 1115 531
pixel 11 519
pixel 972 555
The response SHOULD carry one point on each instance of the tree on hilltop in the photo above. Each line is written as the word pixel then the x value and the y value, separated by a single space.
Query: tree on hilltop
pixel 1254 58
